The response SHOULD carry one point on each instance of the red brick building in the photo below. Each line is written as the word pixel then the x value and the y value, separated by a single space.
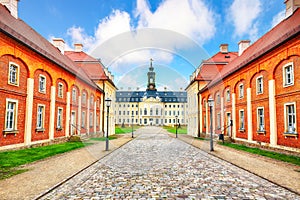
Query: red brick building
pixel 258 90
pixel 44 95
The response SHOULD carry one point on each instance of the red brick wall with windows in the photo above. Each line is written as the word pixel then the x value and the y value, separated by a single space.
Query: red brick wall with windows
pixel 260 99
pixel 227 109
pixel 14 92
pixel 287 94
pixel 60 102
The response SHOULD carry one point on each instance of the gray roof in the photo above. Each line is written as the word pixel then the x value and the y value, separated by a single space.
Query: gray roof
pixel 165 96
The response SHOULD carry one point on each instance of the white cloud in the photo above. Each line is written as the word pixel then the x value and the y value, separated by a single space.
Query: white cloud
pixel 278 18
pixel 78 35
pixel 242 13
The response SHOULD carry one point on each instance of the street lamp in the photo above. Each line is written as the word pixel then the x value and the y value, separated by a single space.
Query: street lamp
pixel 132 117
pixel 176 125
pixel 107 102
pixel 210 102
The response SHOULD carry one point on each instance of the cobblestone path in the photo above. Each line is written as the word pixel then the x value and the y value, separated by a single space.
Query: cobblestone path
pixel 155 166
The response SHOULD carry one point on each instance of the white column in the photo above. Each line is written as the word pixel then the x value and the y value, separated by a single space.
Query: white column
pixel 272 111
pixel 214 117
pixel 78 125
pixel 233 115
pixel 222 116
pixel 95 118
pixel 249 115
pixel 68 112
pixel 52 113
pixel 88 117
pixel 29 109
pixel 200 114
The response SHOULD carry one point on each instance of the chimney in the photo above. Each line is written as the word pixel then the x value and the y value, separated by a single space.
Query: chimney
pixel 224 48
pixel 291 6
pixel 59 43
pixel 12 6
pixel 243 45
pixel 78 47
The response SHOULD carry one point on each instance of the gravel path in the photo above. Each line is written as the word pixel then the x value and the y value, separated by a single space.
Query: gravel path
pixel 156 166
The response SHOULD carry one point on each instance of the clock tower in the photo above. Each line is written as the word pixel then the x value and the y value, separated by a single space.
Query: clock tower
pixel 151 77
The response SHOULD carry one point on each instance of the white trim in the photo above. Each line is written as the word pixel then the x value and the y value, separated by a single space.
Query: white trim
pixel 241 96
pixel 284 74
pixel 262 85
pixel 43 116
pixel 272 113
pixel 257 119
pixel 15 124
pixel 45 84
pixel 18 74
pixel 240 128
pixel 285 116
pixel 61 117
pixel 249 115
pixel 29 111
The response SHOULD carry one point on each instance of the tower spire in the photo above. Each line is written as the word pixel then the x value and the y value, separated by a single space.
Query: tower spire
pixel 151 77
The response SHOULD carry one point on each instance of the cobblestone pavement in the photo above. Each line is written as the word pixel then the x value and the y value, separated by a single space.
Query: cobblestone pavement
pixel 155 166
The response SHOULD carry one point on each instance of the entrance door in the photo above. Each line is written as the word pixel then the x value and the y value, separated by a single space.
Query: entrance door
pixel 228 129
pixel 73 123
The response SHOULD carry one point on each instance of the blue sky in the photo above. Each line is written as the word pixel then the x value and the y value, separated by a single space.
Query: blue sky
pixel 177 34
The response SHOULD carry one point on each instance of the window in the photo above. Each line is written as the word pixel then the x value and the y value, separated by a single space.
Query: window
pixel 151 111
pixel 219 121
pixel 120 112
pixel 132 113
pixel 13 74
pixel 145 111
pixel 40 117
pixel 228 95
pixel 260 119
pixel 83 98
pixel 218 99
pixel 11 115
pixel 290 118
pixel 74 95
pixel 242 120
pixel 259 85
pixel 241 91
pixel 288 75
pixel 83 119
pixel 60 90
pixel 59 118
pixel 42 84
pixel 91 102
pixel 156 111
pixel 91 119
pixel 204 121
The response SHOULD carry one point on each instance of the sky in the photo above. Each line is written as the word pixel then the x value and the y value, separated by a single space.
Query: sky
pixel 177 34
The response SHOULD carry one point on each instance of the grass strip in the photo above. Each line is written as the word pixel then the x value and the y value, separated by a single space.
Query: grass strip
pixel 110 137
pixel 123 130
pixel 270 154
pixel 11 160
pixel 181 130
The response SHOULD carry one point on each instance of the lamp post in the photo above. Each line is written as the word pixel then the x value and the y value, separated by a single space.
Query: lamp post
pixel 132 117
pixel 176 125
pixel 211 104
pixel 107 102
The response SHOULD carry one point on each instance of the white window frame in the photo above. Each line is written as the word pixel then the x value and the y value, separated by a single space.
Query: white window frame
pixel 59 117
pixel 242 120
pixel 241 91
pixel 42 90
pixel 286 121
pixel 219 120
pixel 228 95
pixel 91 119
pixel 42 126
pixel 83 120
pixel 285 84
pixel 60 90
pixel 74 94
pixel 259 128
pixel 259 87
pixel 16 83
pixel 15 114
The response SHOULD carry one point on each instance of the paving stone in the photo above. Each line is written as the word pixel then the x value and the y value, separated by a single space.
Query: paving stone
pixel 155 166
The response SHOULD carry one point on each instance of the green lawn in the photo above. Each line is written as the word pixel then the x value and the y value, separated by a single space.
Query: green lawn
pixel 278 156
pixel 181 130
pixel 126 129
pixel 110 137
pixel 11 160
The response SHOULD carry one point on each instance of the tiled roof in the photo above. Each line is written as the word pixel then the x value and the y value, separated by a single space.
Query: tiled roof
pixel 285 30
pixel 90 65
pixel 19 30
